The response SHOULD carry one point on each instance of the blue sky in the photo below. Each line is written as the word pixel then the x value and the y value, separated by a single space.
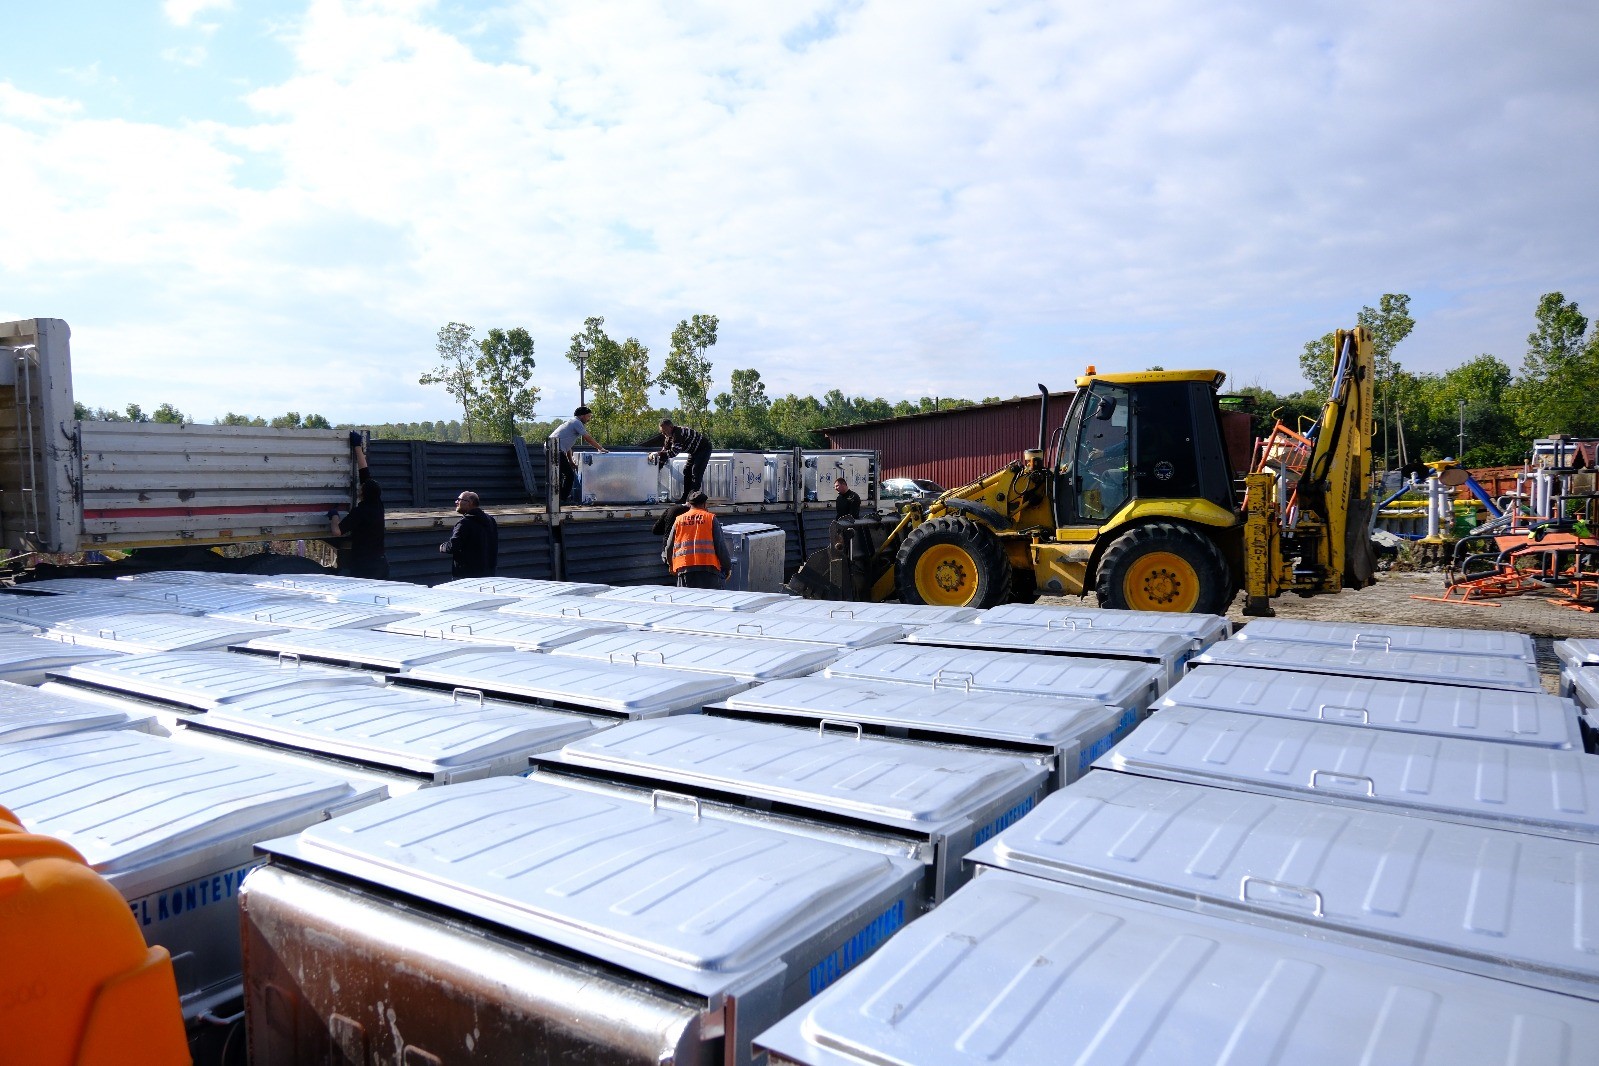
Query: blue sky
pixel 269 206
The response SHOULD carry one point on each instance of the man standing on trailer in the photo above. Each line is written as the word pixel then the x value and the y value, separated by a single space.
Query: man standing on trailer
pixel 680 440
pixel 695 551
pixel 566 436
pixel 474 544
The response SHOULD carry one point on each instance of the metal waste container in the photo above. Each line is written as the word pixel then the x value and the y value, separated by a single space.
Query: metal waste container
pixel 757 551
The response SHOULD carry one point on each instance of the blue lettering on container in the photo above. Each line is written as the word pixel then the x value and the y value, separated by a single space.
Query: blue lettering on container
pixel 1099 747
pixel 1003 822
pixel 202 892
pixel 857 947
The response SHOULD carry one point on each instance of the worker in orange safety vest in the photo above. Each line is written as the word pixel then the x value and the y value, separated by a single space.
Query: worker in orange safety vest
pixel 695 551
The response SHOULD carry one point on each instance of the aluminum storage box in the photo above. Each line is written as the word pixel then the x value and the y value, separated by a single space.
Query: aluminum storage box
pixel 769 626
pixel 359 648
pixel 1506 905
pixel 496 627
pixel 1123 685
pixel 1068 734
pixel 420 737
pixel 822 470
pixel 25 659
pixel 617 477
pixel 1203 629
pixel 1535 719
pixel 758 552
pixel 558 924
pixel 591 609
pixel 942 800
pixel 139 633
pixel 1501 786
pixel 520 586
pixel 749 659
pixel 1382 637
pixel 575 684
pixel 314 614
pixel 1472 671
pixel 779 477
pixel 709 599
pixel 201 680
pixel 903 614
pixel 743 477
pixel 1019 971
pixel 26 713
pixel 1167 651
pixel 173 829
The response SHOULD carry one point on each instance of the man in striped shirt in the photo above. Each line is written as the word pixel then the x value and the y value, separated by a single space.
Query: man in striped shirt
pixel 680 440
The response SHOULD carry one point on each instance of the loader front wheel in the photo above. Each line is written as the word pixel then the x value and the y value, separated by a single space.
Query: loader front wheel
pixel 952 562
pixel 1163 567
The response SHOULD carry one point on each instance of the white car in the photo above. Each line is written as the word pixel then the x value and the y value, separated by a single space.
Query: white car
pixel 911 488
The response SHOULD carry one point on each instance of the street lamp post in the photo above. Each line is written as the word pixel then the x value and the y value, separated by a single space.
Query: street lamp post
pixel 1461 455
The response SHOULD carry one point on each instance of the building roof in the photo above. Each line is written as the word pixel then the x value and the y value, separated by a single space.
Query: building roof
pixel 1031 400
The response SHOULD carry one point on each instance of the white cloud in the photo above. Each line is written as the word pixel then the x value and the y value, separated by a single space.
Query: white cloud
pixel 890 199
pixel 184 12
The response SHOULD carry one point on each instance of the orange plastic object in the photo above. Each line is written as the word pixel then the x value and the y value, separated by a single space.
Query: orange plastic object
pixel 78 986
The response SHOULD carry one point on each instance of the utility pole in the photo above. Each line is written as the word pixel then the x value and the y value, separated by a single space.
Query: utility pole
pixel 1460 456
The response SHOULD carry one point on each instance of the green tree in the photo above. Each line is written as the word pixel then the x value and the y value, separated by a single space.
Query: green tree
pixel 317 422
pixel 135 413
pixel 169 415
pixel 231 419
pixel 743 414
pixel 688 369
pixel 596 356
pixel 1557 388
pixel 458 354
pixel 501 383
pixel 1389 322
pixel 288 420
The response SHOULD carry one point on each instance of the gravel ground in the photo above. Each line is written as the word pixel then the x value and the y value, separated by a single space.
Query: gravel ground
pixel 1392 600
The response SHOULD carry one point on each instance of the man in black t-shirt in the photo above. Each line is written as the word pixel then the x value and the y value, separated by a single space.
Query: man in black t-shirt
pixel 362 553
pixel 848 504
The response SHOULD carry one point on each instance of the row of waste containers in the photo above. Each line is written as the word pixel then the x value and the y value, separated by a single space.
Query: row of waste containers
pixel 628 477
pixel 752 824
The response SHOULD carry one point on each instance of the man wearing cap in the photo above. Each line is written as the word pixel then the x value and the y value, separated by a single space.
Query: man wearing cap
pixel 695 552
pixel 566 436
pixel 474 544
pixel 848 504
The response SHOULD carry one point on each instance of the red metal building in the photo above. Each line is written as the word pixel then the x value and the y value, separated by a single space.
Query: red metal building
pixel 961 445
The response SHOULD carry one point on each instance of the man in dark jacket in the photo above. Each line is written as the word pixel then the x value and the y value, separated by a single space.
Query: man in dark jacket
pixel 474 544
pixel 361 553
pixel 848 504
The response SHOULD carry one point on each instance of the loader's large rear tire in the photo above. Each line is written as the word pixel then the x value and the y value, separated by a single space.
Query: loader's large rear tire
pixel 1164 567
pixel 952 562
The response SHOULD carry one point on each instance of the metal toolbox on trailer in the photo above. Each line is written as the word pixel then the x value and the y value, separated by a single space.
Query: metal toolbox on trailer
pixel 592 609
pixel 750 660
pixel 26 659
pixel 496 627
pixel 27 713
pixel 136 634
pixel 758 552
pixel 173 829
pixel 772 626
pixel 822 470
pixel 41 612
pixel 1069 734
pixel 1472 671
pixel 779 477
pixel 1123 685
pixel 1166 651
pixel 617 477
pixel 520 586
pixel 417 738
pixel 940 800
pixel 200 680
pixel 736 477
pixel 707 599
pixel 575 684
pixel 363 649
pixel 314 614
pixel 1325 872
pixel 1392 638
pixel 1017 971
pixel 1203 629
pixel 1501 786
pixel 1534 719
pixel 902 614
pixel 558 923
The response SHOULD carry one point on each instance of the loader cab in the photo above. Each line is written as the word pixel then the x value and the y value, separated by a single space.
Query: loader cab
pixel 1147 436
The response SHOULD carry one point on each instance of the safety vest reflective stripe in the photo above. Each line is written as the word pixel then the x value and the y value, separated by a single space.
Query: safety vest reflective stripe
pixel 693 540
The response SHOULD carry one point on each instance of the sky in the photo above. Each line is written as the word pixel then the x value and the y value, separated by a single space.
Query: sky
pixel 270 206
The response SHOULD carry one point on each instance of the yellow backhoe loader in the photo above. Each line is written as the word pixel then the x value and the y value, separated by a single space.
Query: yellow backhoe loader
pixel 1132 497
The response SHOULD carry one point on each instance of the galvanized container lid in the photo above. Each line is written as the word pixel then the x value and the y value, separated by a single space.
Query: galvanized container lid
pixel 27 654
pixel 626 691
pixel 495 627
pixel 770 626
pixel 304 613
pixel 382 651
pixel 138 633
pixel 1584 685
pixel 408 729
pixel 1380 637
pixel 27 714
pixel 209 598
pixel 521 586
pixel 694 901
pixel 755 660
pixel 1143 645
pixel 905 614
pixel 1205 629
pixel 44 611
pixel 1019 970
pixel 590 609
pixel 325 585
pixel 1473 671
pixel 418 599
pixel 1535 719
pixel 708 599
pixel 1117 683
pixel 1503 904
pixel 1505 786
pixel 126 799
pixel 188 577
pixel 1577 652
pixel 206 679
pixel 1034 720
pixel 94 586
pixel 923 788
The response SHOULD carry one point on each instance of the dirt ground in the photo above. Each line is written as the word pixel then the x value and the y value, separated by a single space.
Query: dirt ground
pixel 1392 600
